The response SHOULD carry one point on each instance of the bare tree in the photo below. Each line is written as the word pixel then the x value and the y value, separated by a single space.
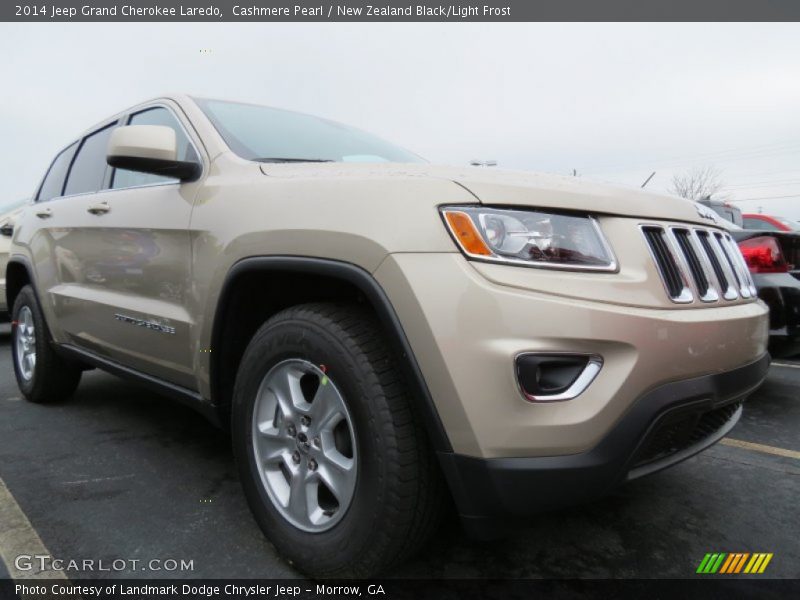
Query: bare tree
pixel 697 183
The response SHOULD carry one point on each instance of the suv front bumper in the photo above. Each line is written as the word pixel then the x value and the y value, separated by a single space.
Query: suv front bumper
pixel 664 426
pixel 465 333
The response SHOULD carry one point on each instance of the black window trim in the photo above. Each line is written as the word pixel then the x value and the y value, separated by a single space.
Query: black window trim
pixel 77 143
pixel 82 140
pixel 126 118
pixel 108 176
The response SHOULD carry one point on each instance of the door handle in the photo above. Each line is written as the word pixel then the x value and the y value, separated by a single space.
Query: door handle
pixel 98 209
pixel 44 213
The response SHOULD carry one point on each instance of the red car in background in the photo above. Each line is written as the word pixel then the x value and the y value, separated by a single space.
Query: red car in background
pixel 769 223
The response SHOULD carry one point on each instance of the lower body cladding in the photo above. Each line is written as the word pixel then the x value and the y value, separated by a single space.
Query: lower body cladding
pixel 665 426
pixel 781 293
pixel 670 383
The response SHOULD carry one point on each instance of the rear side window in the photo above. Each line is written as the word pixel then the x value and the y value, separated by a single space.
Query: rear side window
pixel 53 183
pixel 751 223
pixel 89 167
pixel 155 116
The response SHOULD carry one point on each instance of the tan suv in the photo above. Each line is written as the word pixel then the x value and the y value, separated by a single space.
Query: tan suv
pixel 384 338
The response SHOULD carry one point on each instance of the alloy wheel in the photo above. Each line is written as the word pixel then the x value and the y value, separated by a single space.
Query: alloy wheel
pixel 304 445
pixel 25 339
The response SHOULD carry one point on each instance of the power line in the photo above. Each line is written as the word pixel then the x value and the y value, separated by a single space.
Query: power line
pixel 741 153
pixel 766 173
pixel 759 184
pixel 763 198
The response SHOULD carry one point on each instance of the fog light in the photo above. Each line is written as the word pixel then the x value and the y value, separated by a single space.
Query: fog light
pixel 553 377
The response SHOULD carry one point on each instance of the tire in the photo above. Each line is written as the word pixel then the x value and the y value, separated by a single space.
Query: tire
pixel 49 378
pixel 397 496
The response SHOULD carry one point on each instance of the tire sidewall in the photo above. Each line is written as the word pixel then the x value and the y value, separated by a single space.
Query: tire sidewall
pixel 353 534
pixel 26 297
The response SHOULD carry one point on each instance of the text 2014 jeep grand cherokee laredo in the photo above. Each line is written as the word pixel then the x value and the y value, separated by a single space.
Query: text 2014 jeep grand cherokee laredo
pixel 380 334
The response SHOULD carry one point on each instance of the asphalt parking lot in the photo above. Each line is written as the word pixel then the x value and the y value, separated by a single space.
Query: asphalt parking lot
pixel 122 473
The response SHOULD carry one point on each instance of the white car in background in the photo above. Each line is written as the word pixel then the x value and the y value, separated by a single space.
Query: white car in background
pixel 8 214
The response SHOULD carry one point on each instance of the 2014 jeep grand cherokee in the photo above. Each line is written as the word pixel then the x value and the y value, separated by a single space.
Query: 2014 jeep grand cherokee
pixel 384 338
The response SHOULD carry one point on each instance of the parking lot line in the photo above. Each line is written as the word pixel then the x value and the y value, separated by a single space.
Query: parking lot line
pixel 760 448
pixel 19 538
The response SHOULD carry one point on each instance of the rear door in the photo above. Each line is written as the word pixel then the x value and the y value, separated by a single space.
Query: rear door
pixel 59 246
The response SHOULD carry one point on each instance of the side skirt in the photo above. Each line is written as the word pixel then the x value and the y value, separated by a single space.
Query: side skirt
pixel 181 394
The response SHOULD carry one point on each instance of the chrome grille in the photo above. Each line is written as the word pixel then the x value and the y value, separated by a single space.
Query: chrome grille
pixel 698 264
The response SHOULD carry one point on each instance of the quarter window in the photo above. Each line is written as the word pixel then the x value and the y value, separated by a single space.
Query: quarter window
pixel 53 184
pixel 155 116
pixel 89 167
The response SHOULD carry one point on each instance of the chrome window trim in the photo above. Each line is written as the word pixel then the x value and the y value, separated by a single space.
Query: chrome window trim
pixel 106 191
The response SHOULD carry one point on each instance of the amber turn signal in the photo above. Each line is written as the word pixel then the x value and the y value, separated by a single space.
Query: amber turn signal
pixel 466 233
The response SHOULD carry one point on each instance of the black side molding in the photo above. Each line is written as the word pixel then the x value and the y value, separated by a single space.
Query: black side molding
pixel 181 394
pixel 373 292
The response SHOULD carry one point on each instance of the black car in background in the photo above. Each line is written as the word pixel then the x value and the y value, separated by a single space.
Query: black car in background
pixel 774 261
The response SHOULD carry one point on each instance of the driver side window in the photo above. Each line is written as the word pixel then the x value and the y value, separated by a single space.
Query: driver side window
pixel 123 178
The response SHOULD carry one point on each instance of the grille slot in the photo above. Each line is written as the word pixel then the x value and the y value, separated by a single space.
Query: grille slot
pixel 696 262
pixel 737 264
pixel 692 260
pixel 722 279
pixel 722 246
pixel 670 272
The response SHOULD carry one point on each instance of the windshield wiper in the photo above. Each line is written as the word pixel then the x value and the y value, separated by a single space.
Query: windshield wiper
pixel 292 160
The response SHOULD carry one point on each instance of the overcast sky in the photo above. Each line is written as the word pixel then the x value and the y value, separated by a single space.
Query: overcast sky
pixel 614 101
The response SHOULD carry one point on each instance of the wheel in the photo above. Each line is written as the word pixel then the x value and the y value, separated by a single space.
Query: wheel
pixel 334 461
pixel 42 375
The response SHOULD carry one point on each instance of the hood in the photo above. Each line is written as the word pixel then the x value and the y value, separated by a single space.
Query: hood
pixel 511 188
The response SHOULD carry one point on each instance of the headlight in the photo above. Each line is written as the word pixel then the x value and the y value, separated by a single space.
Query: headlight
pixel 530 238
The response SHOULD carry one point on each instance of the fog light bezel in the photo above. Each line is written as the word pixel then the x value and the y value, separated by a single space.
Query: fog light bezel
pixel 594 364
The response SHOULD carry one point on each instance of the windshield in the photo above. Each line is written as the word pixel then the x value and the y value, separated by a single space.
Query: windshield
pixel 273 135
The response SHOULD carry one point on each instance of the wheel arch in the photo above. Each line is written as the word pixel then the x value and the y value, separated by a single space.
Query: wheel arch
pixel 18 274
pixel 319 279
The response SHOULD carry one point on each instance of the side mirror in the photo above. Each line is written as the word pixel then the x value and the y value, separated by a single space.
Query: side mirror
pixel 149 149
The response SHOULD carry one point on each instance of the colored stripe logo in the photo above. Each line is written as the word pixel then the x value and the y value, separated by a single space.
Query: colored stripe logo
pixel 734 562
